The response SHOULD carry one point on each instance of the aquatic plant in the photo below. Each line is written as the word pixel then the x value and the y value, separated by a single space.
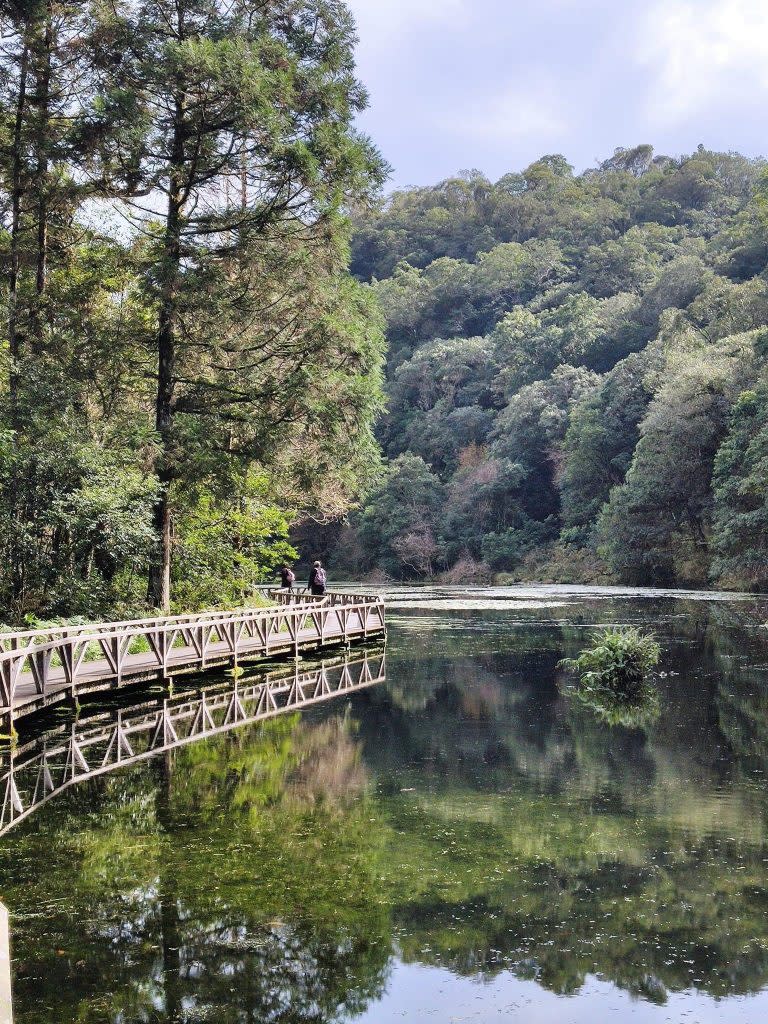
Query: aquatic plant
pixel 616 677
pixel 618 661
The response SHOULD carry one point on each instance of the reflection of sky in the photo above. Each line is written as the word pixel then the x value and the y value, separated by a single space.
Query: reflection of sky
pixel 416 993
pixel 494 84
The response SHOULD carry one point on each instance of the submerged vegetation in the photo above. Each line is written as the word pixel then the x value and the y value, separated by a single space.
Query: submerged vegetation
pixel 577 377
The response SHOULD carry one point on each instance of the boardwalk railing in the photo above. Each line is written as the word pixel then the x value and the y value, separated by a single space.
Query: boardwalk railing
pixel 37 771
pixel 38 666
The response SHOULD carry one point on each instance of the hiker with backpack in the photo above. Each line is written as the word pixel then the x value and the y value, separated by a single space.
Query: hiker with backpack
pixel 287 578
pixel 317 580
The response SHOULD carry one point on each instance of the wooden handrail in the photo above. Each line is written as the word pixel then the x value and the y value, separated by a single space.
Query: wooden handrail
pixel 177 643
pixel 74 629
pixel 275 593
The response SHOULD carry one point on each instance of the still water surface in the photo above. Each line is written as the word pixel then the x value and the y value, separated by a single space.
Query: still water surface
pixel 468 842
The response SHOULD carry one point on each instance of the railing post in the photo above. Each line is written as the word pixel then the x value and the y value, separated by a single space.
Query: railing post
pixel 6 683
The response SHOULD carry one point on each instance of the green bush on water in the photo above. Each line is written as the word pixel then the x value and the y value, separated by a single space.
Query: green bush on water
pixel 619 662
pixel 616 677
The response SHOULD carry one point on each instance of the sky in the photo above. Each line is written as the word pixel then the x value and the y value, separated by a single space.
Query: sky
pixel 494 84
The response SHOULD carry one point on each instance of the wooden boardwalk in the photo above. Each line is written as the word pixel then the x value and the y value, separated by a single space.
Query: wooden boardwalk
pixel 41 667
pixel 40 768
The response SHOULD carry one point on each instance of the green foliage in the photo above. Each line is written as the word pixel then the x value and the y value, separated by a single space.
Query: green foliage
pixel 507 549
pixel 603 431
pixel 228 544
pixel 398 525
pixel 183 377
pixel 656 525
pixel 619 662
pixel 565 353
pixel 740 481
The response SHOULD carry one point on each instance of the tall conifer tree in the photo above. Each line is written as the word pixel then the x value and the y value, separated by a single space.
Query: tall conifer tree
pixel 253 154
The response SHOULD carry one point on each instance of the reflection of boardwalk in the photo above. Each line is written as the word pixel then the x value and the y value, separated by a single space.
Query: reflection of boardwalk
pixel 40 667
pixel 44 767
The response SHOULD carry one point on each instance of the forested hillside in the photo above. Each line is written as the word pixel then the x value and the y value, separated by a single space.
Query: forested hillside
pixel 577 376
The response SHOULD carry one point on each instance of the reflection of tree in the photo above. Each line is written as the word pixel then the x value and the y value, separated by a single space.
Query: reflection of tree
pixel 167 896
pixel 541 840
pixel 555 898
pixel 234 883
pixel 742 696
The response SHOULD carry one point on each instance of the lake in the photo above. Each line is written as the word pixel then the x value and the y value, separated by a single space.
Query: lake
pixel 469 841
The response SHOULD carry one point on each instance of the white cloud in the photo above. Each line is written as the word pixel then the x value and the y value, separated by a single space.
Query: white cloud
pixel 517 114
pixel 381 19
pixel 703 51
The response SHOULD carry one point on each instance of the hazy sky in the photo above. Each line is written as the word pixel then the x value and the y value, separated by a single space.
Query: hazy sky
pixel 493 84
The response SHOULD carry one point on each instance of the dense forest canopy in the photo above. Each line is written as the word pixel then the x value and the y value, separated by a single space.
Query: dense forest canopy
pixel 174 176
pixel 577 379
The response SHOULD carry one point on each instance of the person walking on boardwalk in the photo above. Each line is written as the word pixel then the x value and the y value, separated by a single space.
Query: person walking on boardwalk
pixel 317 580
pixel 287 578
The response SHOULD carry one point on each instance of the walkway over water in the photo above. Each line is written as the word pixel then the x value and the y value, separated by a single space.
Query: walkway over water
pixel 41 667
pixel 39 769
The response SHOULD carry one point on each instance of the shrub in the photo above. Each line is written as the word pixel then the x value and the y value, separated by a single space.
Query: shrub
pixel 559 563
pixel 619 661
pixel 466 570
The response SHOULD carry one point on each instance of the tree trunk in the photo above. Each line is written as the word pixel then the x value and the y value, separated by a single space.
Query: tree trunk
pixel 43 100
pixel 17 190
pixel 160 568
pixel 17 574
pixel 159 590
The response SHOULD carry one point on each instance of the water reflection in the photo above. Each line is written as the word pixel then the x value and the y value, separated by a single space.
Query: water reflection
pixel 632 711
pixel 6 1005
pixel 75 751
pixel 227 879
pixel 465 821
